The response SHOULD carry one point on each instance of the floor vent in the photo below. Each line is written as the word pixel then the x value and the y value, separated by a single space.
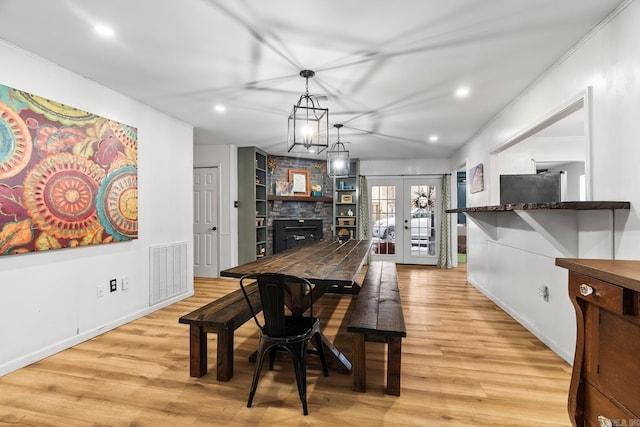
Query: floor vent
pixel 168 275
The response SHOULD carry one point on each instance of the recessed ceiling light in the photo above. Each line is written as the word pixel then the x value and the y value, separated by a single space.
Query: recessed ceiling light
pixel 219 108
pixel 462 92
pixel 433 138
pixel 103 30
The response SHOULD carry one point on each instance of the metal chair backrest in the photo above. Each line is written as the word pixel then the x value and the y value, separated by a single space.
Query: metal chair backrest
pixel 275 289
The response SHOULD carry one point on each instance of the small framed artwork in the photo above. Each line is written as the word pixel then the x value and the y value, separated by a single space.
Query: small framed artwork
pixel 284 188
pixel 300 182
pixel 346 198
pixel 476 178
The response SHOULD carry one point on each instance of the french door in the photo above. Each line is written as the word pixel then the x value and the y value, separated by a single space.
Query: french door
pixel 404 219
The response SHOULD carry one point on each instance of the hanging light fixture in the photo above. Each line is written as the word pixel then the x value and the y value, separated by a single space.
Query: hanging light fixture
pixel 338 158
pixel 308 129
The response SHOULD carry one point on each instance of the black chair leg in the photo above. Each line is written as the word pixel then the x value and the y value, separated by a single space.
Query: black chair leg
pixel 320 349
pixel 301 376
pixel 256 373
pixel 273 351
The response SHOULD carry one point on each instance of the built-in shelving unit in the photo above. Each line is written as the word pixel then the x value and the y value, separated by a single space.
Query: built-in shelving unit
pixel 557 222
pixel 252 204
pixel 345 206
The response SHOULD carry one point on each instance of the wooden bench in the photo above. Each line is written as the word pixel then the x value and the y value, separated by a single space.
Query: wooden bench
pixel 377 316
pixel 222 316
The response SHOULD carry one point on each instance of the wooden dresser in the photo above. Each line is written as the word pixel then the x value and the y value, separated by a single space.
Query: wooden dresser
pixel 605 384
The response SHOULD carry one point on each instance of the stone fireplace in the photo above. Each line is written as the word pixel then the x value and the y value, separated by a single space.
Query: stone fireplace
pixel 302 208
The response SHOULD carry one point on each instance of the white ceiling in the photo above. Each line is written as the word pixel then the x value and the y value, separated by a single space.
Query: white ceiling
pixel 389 69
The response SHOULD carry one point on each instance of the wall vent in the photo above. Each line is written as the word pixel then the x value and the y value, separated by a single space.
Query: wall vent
pixel 168 271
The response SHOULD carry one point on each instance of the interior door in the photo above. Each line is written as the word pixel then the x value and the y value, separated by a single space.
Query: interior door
pixel 205 222
pixel 404 219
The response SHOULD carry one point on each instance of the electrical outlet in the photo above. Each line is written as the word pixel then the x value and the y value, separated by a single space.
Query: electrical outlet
pixel 124 283
pixel 99 291
pixel 543 291
pixel 113 285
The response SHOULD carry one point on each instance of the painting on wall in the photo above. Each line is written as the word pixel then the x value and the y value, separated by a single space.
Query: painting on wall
pixel 476 178
pixel 68 178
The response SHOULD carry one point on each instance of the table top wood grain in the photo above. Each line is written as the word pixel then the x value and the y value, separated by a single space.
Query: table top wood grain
pixel 327 262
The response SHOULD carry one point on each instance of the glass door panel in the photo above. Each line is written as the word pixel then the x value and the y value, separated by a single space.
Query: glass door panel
pixel 420 222
pixel 383 199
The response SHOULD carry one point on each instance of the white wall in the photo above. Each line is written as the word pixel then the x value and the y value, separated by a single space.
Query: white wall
pixel 608 60
pixel 519 158
pixel 404 167
pixel 48 300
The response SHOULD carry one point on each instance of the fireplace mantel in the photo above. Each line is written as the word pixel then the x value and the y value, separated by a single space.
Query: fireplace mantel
pixel 300 199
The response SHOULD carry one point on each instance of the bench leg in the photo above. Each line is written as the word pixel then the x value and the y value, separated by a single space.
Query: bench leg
pixel 224 360
pixel 359 369
pixel 197 351
pixel 394 355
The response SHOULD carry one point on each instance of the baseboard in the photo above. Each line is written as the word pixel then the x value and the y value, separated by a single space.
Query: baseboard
pixel 554 346
pixel 43 353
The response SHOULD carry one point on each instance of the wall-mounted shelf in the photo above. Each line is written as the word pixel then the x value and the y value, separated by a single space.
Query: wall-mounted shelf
pixel 557 222
pixel 545 206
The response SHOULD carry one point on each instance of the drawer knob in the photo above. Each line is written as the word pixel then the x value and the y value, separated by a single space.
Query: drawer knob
pixel 585 290
pixel 604 421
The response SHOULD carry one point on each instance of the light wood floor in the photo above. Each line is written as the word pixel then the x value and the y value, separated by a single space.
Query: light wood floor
pixel 464 363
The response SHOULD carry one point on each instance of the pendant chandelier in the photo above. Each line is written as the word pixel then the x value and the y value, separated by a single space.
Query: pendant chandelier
pixel 308 129
pixel 338 158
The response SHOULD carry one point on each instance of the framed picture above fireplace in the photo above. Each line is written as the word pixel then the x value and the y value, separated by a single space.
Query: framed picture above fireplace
pixel 300 180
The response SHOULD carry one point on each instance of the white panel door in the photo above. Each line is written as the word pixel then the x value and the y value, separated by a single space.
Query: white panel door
pixel 205 222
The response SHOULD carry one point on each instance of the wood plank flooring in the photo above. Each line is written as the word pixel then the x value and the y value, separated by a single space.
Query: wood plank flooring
pixel 464 363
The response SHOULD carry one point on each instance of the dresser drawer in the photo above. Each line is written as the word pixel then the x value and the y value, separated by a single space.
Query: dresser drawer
pixel 611 363
pixel 602 294
pixel 601 412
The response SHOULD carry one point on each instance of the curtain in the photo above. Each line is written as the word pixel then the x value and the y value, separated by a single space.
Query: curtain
pixel 363 214
pixel 444 257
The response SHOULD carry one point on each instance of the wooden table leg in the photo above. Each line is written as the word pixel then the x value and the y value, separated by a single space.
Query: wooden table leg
pixel 359 364
pixel 334 357
pixel 225 354
pixel 394 355
pixel 297 305
pixel 197 351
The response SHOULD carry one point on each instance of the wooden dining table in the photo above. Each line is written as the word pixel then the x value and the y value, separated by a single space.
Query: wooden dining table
pixel 328 264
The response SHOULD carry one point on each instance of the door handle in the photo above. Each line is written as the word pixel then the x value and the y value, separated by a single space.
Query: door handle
pixel 213 228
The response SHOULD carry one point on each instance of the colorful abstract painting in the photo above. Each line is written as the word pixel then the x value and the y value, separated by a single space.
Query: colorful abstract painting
pixel 67 177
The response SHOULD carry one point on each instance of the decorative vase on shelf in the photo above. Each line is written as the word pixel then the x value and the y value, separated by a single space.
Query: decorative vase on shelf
pixel 316 190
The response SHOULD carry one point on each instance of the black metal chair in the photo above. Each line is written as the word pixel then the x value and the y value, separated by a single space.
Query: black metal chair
pixel 282 330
